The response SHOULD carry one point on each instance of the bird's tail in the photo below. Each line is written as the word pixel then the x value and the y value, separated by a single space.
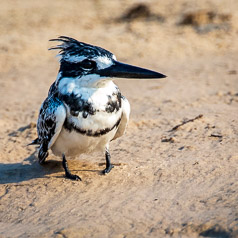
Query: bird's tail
pixel 35 142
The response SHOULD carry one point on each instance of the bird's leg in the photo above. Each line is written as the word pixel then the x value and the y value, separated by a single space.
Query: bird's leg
pixel 109 166
pixel 67 171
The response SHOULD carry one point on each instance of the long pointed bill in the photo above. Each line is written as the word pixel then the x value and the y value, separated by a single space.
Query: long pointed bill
pixel 120 70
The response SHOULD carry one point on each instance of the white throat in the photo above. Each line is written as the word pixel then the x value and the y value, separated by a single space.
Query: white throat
pixel 75 85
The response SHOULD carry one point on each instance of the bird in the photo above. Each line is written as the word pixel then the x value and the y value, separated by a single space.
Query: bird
pixel 84 110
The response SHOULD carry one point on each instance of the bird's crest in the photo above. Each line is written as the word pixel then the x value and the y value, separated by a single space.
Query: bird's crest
pixel 71 49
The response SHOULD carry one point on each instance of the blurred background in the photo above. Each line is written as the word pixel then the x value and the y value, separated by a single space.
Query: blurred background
pixel 177 29
pixel 163 35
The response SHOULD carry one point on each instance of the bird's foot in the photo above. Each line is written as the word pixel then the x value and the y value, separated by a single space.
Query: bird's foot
pixel 67 171
pixel 108 169
pixel 72 176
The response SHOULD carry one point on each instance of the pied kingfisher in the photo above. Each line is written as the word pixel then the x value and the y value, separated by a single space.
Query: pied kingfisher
pixel 84 109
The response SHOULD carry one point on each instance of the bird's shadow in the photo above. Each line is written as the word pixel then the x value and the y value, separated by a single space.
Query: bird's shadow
pixel 31 169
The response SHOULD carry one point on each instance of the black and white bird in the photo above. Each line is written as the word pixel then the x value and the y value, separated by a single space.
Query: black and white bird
pixel 84 109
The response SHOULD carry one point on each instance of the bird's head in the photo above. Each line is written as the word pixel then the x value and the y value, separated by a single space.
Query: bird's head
pixel 92 64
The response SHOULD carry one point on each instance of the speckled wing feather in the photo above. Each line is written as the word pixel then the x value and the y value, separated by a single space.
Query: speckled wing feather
pixel 51 119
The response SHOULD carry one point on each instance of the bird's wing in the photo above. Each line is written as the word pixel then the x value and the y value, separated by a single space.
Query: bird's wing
pixel 124 119
pixel 51 119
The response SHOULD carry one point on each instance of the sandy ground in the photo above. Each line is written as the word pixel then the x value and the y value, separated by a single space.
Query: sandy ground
pixel 167 181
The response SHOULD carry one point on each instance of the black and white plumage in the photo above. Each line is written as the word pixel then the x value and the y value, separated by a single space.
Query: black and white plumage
pixel 84 109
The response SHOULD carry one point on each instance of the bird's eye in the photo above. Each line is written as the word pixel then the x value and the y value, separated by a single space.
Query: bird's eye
pixel 88 64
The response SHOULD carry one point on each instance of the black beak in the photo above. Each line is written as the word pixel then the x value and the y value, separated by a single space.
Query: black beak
pixel 120 70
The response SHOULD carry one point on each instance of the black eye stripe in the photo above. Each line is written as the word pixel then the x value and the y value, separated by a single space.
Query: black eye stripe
pixel 73 69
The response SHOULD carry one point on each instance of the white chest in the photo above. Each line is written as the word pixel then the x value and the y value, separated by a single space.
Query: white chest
pixel 93 117
pixel 73 143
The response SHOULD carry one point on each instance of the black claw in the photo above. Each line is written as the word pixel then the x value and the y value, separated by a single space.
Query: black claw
pixel 67 171
pixel 72 176
pixel 108 169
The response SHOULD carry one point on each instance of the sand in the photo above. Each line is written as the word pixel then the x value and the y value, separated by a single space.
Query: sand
pixel 167 181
